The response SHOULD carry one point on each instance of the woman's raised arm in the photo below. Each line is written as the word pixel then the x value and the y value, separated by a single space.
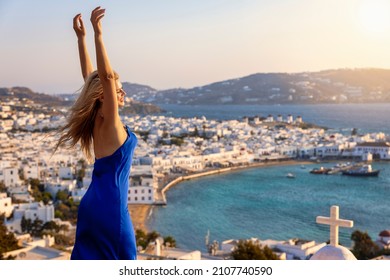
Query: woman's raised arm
pixel 105 71
pixel 85 60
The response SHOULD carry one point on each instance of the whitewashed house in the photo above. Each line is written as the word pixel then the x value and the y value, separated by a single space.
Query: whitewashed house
pixel 6 206
pixel 288 151
pixel 191 163
pixel 33 210
pixel 329 150
pixel 299 249
pixel 142 189
pixel 31 171
pixel 53 186
pixel 37 249
pixel 65 172
pixel 9 176
pixel 20 192
pixel 379 150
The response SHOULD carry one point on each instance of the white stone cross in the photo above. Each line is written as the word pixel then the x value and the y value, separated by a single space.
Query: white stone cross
pixel 334 223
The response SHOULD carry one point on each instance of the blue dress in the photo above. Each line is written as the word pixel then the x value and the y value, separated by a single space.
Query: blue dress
pixel 104 228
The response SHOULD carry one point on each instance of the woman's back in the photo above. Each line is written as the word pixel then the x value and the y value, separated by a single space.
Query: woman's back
pixel 104 229
pixel 108 136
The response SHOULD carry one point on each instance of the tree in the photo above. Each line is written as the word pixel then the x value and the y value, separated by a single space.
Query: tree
pixel 2 187
pixel 62 195
pixel 32 227
pixel 143 239
pixel 140 237
pixel 248 250
pixel 8 242
pixel 169 241
pixel 364 248
pixel 151 236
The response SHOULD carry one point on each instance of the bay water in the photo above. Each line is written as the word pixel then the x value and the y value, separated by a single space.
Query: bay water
pixel 263 202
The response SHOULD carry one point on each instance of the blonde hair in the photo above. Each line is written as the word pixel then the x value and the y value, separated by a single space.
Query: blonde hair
pixel 82 116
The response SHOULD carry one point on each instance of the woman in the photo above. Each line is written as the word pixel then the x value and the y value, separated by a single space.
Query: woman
pixel 104 229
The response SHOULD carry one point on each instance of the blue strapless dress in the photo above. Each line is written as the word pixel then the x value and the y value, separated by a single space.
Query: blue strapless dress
pixel 104 228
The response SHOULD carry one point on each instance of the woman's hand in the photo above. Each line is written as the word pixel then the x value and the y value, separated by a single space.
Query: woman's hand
pixel 78 26
pixel 96 16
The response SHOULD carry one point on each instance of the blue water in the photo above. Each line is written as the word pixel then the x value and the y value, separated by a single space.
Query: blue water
pixel 263 203
pixel 365 117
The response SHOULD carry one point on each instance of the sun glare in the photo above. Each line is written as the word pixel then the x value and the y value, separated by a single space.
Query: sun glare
pixel 374 15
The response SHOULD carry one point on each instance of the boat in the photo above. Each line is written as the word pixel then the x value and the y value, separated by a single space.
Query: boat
pixel 321 170
pixel 363 171
pixel 290 175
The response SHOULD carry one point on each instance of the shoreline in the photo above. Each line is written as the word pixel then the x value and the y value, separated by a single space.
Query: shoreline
pixel 230 169
pixel 140 213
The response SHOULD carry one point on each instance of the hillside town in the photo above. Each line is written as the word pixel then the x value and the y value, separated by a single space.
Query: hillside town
pixel 168 148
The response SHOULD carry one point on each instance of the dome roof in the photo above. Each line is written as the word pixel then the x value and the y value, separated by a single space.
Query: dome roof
pixel 330 252
pixel 384 233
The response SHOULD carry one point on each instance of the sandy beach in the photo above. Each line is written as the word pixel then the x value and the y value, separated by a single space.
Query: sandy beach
pixel 140 213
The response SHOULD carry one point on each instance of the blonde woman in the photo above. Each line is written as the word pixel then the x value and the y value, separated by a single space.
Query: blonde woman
pixel 104 228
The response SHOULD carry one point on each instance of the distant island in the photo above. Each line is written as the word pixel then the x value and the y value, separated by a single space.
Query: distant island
pixel 366 85
pixel 42 102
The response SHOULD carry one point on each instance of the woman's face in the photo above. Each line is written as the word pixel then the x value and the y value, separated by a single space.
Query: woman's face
pixel 120 93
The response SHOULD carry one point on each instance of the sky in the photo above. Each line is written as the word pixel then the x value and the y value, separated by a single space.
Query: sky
pixel 187 43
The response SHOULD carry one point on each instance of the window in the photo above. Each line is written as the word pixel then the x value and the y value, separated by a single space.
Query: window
pixel 135 191
pixel 150 191
pixel 129 191
pixel 5 204
pixel 136 198
pixel 143 191
pixel 150 198
pixel 143 198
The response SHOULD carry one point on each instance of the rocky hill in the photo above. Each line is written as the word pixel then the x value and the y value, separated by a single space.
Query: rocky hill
pixel 330 86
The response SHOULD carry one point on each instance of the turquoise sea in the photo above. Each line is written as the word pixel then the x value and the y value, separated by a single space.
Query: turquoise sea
pixel 264 203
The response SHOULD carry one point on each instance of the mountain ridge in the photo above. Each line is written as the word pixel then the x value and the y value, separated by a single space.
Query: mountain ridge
pixel 345 85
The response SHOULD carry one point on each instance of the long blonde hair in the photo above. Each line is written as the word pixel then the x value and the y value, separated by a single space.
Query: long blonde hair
pixel 82 116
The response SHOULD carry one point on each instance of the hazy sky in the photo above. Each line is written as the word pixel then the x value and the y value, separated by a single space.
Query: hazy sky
pixel 186 43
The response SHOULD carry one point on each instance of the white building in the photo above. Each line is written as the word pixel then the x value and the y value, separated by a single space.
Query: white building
pixel 379 150
pixel 65 172
pixel 31 171
pixel 6 206
pixel 38 249
pixel 329 150
pixel 33 210
pixel 157 251
pixel 142 189
pixel 299 249
pixel 53 186
pixel 9 176
pixel 20 192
